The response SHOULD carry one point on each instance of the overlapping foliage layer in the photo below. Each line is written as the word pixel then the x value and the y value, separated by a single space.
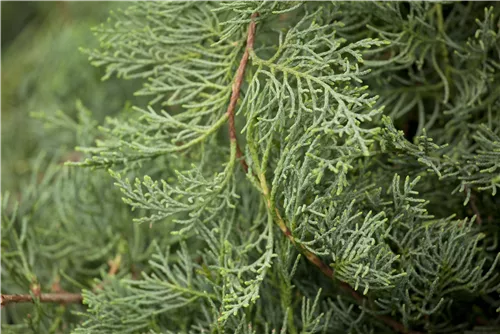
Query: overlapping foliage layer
pixel 372 137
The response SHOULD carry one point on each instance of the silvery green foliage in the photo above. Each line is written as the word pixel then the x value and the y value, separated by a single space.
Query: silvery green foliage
pixel 404 214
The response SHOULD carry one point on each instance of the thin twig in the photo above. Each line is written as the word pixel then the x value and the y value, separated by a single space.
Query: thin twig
pixel 235 94
pixel 61 297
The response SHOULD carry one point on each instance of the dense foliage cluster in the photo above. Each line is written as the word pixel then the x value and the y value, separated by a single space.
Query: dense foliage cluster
pixel 297 167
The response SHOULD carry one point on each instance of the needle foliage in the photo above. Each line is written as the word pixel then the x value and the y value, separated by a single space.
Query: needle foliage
pixel 359 195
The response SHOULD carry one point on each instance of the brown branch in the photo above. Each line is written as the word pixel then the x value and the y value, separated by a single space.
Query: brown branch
pixel 235 94
pixel 61 297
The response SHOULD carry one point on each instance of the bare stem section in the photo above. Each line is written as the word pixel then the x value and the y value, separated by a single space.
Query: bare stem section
pixel 235 94
pixel 61 298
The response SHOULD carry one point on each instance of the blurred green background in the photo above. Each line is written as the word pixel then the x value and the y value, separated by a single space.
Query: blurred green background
pixel 45 73
pixel 43 70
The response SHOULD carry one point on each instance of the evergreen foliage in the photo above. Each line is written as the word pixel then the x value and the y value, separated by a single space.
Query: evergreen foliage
pixel 299 167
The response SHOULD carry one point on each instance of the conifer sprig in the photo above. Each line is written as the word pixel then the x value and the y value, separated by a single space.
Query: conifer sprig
pixel 366 132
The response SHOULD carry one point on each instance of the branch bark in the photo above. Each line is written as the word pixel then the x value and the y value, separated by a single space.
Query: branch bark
pixel 61 297
pixel 235 94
